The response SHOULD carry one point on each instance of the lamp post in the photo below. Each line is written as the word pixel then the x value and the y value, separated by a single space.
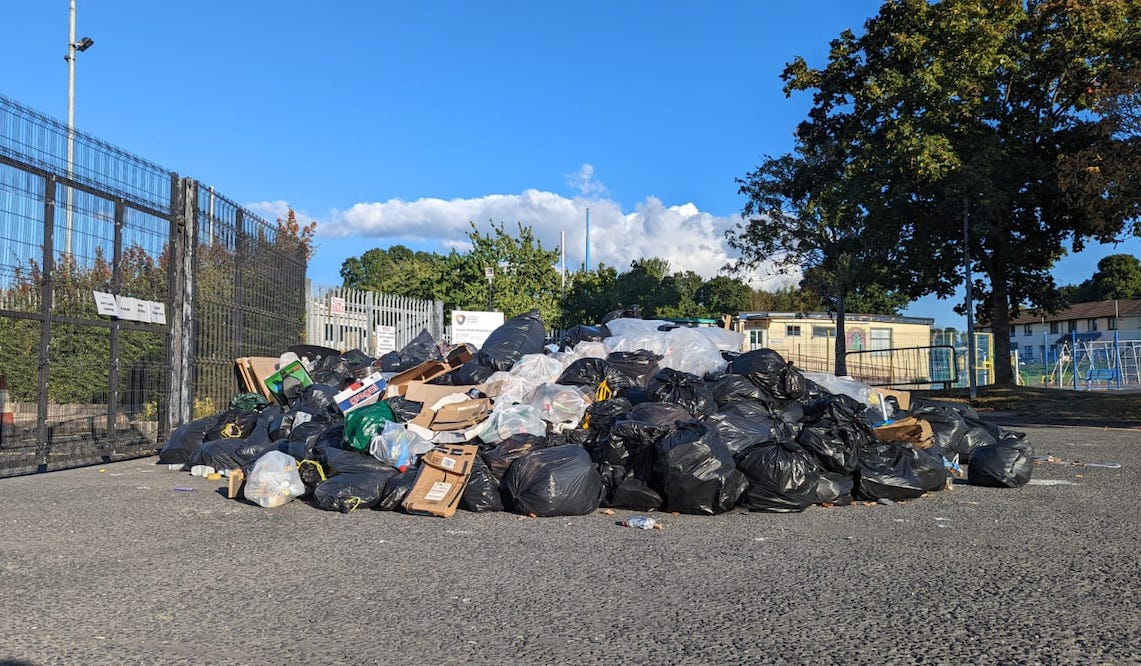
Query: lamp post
pixel 73 47
pixel 489 273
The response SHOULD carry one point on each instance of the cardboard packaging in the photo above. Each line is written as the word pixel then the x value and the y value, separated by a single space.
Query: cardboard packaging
pixel 444 472
pixel 911 430
pixel 253 371
pixel 427 371
pixel 902 397
pixel 363 392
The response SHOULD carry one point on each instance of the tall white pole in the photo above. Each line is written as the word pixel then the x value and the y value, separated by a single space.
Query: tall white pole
pixel 586 262
pixel 70 117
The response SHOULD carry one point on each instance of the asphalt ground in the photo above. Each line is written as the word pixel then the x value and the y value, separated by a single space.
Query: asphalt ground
pixel 113 565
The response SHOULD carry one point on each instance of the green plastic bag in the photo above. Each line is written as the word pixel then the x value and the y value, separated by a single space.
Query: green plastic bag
pixel 363 423
pixel 249 402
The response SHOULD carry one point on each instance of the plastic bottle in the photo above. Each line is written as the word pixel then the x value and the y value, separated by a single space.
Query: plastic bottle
pixel 641 522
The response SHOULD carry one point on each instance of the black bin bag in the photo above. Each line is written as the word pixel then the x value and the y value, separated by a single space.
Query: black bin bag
pixel 622 489
pixel 186 440
pixel 783 477
pixel 508 343
pixel 695 472
pixel 395 489
pixel 895 471
pixel 482 490
pixel 834 430
pixel 422 348
pixel 747 424
pixel 835 488
pixel 638 366
pixel 349 492
pixel 582 333
pixel 556 481
pixel 767 369
pixel 1007 464
pixel 685 389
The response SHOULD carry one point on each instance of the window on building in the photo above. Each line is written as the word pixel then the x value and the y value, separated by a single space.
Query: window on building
pixel 823 331
pixel 880 339
pixel 1054 327
pixel 1012 329
pixel 792 330
pixel 756 338
pixel 1071 325
pixel 1028 329
pixel 1091 324
pixel 1112 324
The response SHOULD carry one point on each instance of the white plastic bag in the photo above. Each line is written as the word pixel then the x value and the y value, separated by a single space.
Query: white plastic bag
pixel 274 480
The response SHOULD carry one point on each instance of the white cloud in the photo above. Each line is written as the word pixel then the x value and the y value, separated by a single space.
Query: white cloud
pixel 584 183
pixel 690 239
pixel 275 210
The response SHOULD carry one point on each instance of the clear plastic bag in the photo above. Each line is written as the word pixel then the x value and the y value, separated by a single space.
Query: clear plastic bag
pixel 398 446
pixel 274 480
pixel 561 406
pixel 511 420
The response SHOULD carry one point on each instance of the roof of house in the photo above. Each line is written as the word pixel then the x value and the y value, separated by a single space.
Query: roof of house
pixel 1125 307
pixel 849 317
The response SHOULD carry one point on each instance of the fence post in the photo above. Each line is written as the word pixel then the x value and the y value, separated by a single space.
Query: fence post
pixel 43 445
pixel 116 328
pixel 180 339
pixel 438 320
pixel 1074 355
pixel 238 309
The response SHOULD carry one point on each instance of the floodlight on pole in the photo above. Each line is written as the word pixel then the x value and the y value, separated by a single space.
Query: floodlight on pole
pixel 73 47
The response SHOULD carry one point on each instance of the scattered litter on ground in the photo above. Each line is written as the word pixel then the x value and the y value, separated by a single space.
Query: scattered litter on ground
pixel 1051 482
pixel 1054 460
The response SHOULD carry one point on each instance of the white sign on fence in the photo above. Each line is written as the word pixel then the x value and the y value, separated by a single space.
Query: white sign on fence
pixel 336 305
pixel 158 312
pixel 473 327
pixel 105 304
pixel 385 339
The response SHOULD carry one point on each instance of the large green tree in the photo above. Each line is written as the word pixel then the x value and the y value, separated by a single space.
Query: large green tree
pixel 1117 276
pixel 989 112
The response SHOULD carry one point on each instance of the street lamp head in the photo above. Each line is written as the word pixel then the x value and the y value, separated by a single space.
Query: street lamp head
pixel 84 44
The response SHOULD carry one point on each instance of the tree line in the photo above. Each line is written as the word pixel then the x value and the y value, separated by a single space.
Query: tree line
pixel 525 277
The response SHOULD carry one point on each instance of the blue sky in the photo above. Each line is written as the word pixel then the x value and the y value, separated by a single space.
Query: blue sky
pixel 398 122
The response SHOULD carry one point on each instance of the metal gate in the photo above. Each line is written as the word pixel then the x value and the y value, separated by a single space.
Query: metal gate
pixel 189 282
pixel 82 387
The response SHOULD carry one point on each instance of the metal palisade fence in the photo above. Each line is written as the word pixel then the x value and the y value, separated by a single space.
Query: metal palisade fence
pixel 126 293
pixel 343 319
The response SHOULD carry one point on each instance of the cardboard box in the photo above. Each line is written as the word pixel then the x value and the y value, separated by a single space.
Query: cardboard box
pixel 903 397
pixel 430 394
pixel 444 472
pixel 911 430
pixel 454 416
pixel 362 392
pixel 427 371
pixel 253 371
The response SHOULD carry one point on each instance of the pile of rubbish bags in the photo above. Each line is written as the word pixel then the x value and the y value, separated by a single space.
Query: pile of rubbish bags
pixel 632 414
